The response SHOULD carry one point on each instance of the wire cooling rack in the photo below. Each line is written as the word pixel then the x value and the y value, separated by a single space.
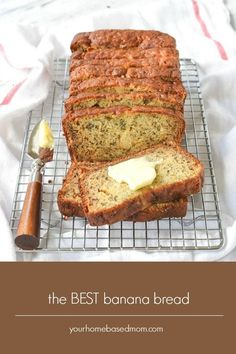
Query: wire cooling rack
pixel 200 229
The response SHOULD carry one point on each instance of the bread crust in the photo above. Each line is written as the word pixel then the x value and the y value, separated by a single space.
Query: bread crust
pixel 157 211
pixel 162 55
pixel 67 205
pixel 142 200
pixel 121 39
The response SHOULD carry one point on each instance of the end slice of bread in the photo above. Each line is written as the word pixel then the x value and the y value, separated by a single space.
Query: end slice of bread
pixel 70 202
pixel 106 201
pixel 68 198
pixel 126 38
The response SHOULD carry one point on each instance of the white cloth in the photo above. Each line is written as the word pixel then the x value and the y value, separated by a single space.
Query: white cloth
pixel 203 33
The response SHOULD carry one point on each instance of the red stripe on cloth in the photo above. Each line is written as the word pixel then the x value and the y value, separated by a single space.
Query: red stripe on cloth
pixel 7 99
pixel 206 32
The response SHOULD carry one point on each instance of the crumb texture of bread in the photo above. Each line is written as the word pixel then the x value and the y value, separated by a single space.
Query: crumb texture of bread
pixel 106 201
pixel 105 135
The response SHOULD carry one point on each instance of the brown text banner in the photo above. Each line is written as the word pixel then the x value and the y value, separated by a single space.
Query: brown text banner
pixel 107 307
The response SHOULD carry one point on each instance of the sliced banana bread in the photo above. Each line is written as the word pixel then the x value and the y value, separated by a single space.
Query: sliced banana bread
pixel 106 201
pixel 103 100
pixel 113 38
pixel 104 134
pixel 70 202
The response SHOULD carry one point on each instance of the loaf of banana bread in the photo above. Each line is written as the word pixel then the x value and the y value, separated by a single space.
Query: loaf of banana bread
pixel 104 134
pixel 70 202
pixel 125 97
pixel 106 201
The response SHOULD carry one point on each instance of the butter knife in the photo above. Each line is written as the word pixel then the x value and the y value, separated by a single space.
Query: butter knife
pixel 40 150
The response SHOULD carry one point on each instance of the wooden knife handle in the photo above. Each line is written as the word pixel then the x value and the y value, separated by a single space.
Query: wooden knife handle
pixel 28 231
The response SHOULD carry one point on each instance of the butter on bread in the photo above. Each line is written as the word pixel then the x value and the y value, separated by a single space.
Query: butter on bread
pixel 70 202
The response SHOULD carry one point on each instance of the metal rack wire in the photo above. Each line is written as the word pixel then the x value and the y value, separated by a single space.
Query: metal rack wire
pixel 201 229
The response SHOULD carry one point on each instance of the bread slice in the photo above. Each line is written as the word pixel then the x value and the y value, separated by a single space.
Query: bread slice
pixel 126 85
pixel 85 72
pixel 99 134
pixel 172 62
pixel 104 100
pixel 114 38
pixel 106 201
pixel 70 202
pixel 162 55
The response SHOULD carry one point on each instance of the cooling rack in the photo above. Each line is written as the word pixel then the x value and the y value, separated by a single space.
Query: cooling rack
pixel 200 229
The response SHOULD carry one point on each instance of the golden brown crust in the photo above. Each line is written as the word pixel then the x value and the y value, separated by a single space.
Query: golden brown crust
pixel 162 55
pixel 148 196
pixel 121 39
pixel 70 205
pixel 157 211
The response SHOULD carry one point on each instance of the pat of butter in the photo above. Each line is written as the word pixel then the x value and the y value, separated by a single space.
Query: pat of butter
pixel 45 135
pixel 137 173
